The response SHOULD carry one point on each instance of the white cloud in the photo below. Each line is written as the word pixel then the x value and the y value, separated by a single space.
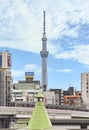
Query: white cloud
pixel 27 68
pixel 64 70
pixel 79 53
pixel 17 73
pixel 32 67
pixel 70 32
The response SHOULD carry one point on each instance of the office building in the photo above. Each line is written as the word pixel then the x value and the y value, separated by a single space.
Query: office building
pixel 5 79
pixel 25 90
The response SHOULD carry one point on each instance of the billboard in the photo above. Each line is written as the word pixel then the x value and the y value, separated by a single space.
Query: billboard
pixel 29 73
pixel 8 61
pixel 0 60
pixel 5 60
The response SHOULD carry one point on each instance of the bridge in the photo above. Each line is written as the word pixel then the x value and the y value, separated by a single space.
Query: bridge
pixel 26 112
pixel 57 116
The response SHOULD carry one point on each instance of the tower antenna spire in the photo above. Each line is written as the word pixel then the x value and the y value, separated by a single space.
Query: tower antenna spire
pixel 44 21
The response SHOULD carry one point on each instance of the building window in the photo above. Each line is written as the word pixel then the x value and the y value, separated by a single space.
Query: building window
pixel 86 83
pixel 56 100
pixel 87 79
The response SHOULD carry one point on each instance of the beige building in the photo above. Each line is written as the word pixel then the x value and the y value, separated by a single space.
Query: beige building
pixel 85 88
pixel 29 96
pixel 5 87
pixel 26 90
pixel 5 79
pixel 19 96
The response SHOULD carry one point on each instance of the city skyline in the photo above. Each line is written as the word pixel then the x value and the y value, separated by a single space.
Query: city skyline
pixel 67 30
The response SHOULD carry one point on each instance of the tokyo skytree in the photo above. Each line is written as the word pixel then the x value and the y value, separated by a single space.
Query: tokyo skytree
pixel 44 54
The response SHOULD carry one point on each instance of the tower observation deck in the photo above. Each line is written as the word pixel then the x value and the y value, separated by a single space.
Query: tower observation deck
pixel 44 54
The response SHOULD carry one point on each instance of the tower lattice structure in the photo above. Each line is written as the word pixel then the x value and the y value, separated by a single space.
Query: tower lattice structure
pixel 44 54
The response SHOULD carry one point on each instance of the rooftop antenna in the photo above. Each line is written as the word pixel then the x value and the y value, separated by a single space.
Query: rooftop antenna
pixel 44 21
pixel 44 31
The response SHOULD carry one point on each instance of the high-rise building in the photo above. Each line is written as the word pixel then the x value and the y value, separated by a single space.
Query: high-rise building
pixel 44 55
pixel 85 88
pixel 5 79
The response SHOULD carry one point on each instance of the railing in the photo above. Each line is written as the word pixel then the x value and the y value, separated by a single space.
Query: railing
pixel 70 122
pixel 7 111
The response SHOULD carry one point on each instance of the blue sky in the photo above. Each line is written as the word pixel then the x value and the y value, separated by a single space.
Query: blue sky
pixel 67 29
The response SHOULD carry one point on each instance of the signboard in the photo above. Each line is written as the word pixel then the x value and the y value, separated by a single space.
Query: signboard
pixel 29 73
pixel 8 61
pixel 5 60
pixel 0 60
